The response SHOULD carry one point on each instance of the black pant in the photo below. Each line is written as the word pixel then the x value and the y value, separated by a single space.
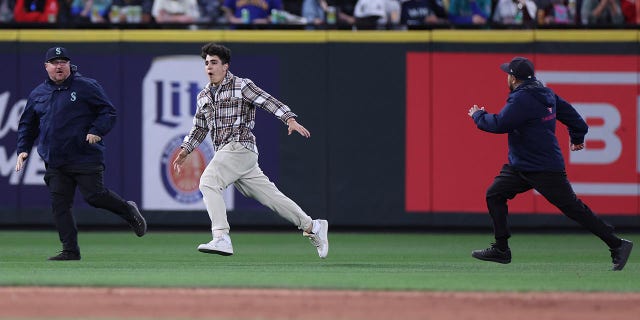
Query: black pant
pixel 555 187
pixel 62 183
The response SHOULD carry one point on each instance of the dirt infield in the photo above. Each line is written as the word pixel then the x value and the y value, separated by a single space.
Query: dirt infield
pixel 137 303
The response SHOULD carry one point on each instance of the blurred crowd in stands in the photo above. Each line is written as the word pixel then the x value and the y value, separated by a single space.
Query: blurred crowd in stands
pixel 321 14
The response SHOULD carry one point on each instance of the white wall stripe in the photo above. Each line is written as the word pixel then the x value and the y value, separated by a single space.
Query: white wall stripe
pixel 606 189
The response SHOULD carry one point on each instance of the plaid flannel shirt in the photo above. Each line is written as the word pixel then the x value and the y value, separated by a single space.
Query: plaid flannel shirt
pixel 230 114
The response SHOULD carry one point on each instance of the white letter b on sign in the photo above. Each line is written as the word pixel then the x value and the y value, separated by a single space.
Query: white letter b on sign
pixel 606 133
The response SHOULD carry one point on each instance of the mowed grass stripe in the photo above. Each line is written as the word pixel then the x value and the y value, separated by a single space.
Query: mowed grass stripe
pixel 364 261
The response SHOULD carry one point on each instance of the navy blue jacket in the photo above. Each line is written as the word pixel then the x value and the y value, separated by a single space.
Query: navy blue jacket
pixel 529 117
pixel 61 116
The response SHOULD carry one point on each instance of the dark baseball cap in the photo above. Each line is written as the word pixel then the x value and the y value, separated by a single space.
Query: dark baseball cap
pixel 519 67
pixel 56 53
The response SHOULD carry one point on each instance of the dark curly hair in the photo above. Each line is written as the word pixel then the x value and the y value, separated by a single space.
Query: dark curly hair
pixel 219 50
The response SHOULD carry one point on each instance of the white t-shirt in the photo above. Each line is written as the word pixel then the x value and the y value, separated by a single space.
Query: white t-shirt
pixel 176 7
pixel 387 10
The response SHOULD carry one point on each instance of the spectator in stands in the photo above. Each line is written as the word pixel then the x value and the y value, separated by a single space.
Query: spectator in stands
pixel 345 11
pixel 210 10
pixel 422 12
pixel 93 11
pixel 255 12
pixel 36 11
pixel 369 12
pixel 515 12
pixel 393 10
pixel 601 12
pixel 469 11
pixel 64 12
pixel 329 11
pixel 554 12
pixel 314 11
pixel 372 13
pixel 120 11
pixel 175 11
pixel 629 11
pixel 6 10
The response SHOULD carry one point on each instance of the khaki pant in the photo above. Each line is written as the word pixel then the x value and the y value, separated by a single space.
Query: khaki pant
pixel 238 165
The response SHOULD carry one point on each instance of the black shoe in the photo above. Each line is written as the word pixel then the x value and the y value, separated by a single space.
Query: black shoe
pixel 493 254
pixel 66 255
pixel 620 255
pixel 138 224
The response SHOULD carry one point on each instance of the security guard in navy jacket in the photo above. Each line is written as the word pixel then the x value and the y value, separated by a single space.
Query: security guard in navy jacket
pixel 529 119
pixel 69 114
pixel 535 160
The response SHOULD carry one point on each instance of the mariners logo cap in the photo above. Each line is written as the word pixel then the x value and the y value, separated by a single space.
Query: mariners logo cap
pixel 56 53
pixel 519 67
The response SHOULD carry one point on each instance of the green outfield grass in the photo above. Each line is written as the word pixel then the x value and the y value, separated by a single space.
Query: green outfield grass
pixel 395 261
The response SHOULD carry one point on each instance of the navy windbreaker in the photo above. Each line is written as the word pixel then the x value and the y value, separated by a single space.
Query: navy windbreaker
pixel 61 116
pixel 529 118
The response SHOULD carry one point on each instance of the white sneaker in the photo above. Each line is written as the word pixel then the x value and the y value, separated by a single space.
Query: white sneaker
pixel 219 245
pixel 320 239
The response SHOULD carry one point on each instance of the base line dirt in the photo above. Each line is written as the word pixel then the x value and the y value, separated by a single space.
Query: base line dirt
pixel 196 303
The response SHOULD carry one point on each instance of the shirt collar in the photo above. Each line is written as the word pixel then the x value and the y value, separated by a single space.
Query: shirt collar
pixel 226 80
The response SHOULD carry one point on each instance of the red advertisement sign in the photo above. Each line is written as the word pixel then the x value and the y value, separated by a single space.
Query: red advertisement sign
pixel 450 163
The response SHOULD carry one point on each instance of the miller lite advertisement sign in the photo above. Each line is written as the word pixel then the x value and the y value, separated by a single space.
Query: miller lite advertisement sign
pixel 170 90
